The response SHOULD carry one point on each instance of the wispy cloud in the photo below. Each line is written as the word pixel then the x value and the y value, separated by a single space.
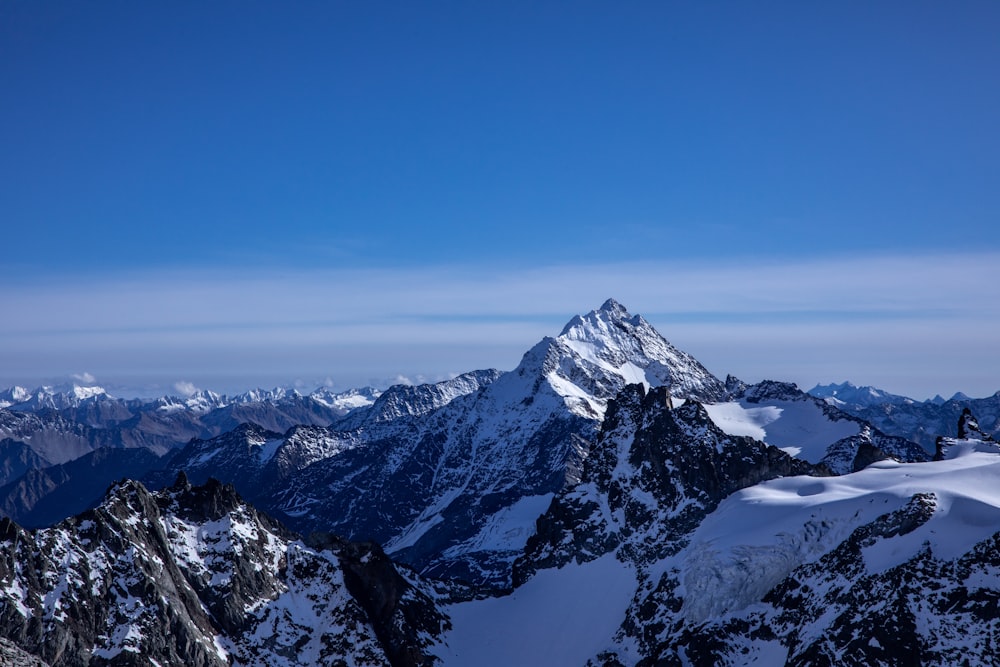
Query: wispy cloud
pixel 882 317
pixel 185 388
pixel 85 378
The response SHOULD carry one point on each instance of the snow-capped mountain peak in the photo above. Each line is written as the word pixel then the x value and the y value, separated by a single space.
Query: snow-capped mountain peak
pixel 597 354
pixel 851 394
pixel 13 396
pixel 84 393
pixel 58 397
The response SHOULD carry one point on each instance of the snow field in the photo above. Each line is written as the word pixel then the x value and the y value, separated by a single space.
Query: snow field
pixel 559 617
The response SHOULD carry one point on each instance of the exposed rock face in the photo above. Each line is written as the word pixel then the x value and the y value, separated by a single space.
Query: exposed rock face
pixel 968 427
pixel 734 552
pixel 449 477
pixel 194 576
pixel 653 474
pixel 12 656
pixel 927 610
pixel 869 446
pixel 403 618
pixel 811 594
pixel 825 613
pixel 970 439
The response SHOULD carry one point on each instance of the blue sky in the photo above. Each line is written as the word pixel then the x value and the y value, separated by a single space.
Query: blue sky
pixel 241 193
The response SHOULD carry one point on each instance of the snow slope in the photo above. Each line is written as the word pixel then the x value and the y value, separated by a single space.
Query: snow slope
pixel 758 535
pixel 798 427
pixel 560 617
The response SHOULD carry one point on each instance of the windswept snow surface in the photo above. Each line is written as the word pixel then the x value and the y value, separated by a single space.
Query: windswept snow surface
pixel 509 529
pixel 758 535
pixel 800 428
pixel 559 617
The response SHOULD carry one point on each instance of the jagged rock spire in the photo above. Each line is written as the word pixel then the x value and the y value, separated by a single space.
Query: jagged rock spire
pixel 968 427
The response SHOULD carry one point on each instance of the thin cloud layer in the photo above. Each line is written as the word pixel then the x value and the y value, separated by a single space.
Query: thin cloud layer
pixel 916 324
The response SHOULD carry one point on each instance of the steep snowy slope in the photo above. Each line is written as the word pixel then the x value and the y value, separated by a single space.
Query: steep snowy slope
pixel 602 351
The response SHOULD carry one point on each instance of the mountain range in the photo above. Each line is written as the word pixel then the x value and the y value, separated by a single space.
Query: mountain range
pixel 608 501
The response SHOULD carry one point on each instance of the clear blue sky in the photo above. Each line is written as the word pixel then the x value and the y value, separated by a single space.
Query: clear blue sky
pixel 149 144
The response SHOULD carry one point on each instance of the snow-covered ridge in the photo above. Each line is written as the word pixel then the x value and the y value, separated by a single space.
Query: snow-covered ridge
pixel 757 536
pixel 50 397
pixel 67 397
pixel 849 393
pixel 805 426
pixel 799 428
pixel 597 354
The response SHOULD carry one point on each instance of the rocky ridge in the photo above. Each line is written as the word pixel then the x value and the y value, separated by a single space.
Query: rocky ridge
pixel 193 576
pixel 455 491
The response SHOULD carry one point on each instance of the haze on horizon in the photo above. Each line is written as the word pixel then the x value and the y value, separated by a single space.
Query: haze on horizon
pixel 228 196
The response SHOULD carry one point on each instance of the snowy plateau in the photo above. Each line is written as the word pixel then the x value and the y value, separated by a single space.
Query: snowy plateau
pixel 607 502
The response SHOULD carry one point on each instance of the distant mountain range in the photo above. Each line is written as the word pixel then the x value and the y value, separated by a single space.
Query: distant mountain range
pixel 609 500
pixel 919 421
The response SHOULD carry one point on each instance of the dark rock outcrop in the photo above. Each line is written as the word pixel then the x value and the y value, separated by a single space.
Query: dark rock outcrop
pixel 192 575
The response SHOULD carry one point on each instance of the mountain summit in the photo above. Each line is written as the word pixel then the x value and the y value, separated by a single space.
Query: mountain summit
pixel 597 354
pixel 453 487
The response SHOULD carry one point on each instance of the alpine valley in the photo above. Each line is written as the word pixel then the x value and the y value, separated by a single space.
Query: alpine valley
pixel 607 502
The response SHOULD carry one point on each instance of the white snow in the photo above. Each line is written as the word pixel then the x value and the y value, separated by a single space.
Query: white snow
pixel 17 596
pixel 760 534
pixel 269 449
pixel 798 427
pixel 508 529
pixel 739 419
pixel 413 533
pixel 559 617
pixel 587 349
pixel 83 393
pixel 576 397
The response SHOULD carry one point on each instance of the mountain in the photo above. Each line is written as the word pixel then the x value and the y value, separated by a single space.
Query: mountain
pixel 204 413
pixel 54 426
pixel 52 398
pixel 847 393
pixel 12 656
pixel 896 564
pixel 452 486
pixel 683 545
pixel 807 427
pixel 261 461
pixel 45 495
pixel 13 396
pixel 608 501
pixel 194 576
pixel 918 421
pixel 30 441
